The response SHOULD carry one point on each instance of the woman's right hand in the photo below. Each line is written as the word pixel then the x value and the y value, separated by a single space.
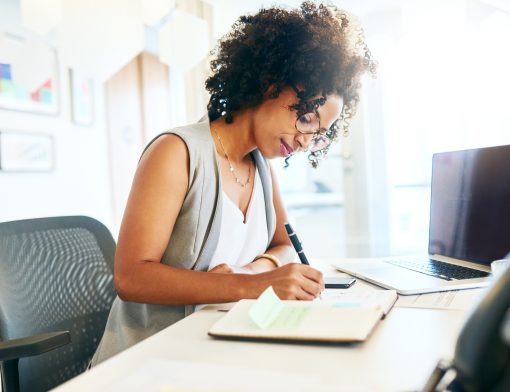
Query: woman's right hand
pixel 292 281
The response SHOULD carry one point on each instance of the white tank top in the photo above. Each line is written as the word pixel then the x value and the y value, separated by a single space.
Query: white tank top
pixel 240 242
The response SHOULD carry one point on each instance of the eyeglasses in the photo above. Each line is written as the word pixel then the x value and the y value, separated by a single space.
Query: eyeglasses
pixel 310 124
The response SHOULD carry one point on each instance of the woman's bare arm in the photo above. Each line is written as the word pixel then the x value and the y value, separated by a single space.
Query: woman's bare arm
pixel 156 197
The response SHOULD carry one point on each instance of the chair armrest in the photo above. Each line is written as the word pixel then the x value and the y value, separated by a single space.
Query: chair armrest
pixel 33 345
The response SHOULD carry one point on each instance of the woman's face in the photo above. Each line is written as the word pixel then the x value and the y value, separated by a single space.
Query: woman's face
pixel 275 131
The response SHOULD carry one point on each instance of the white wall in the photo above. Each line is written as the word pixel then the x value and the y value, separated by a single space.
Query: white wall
pixel 80 182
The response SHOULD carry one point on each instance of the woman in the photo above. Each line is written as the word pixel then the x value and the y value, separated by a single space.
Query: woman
pixel 204 222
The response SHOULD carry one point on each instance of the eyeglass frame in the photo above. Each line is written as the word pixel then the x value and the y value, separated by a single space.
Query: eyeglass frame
pixel 318 131
pixel 313 109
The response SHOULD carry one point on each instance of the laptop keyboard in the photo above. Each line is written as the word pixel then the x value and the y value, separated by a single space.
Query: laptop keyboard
pixel 439 269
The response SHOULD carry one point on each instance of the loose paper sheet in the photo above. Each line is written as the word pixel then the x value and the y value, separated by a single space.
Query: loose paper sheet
pixel 451 300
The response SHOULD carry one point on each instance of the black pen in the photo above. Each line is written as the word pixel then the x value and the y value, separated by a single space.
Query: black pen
pixel 296 244
pixel 332 282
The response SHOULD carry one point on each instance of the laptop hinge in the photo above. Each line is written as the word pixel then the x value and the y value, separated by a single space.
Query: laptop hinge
pixel 463 263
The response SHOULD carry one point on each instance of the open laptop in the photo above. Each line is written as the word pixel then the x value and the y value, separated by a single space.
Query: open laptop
pixel 469 227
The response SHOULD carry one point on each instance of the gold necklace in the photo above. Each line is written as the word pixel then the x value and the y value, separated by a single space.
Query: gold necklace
pixel 231 167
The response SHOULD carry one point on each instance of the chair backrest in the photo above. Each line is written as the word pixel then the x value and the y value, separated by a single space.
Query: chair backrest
pixel 55 274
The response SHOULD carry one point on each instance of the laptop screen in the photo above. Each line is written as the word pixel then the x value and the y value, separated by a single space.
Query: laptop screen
pixel 470 204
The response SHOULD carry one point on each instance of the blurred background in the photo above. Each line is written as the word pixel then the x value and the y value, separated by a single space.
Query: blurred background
pixel 86 84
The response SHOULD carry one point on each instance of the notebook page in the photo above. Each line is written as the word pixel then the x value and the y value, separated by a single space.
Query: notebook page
pixel 366 297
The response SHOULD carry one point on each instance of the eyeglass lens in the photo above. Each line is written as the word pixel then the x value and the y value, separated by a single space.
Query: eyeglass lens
pixel 309 123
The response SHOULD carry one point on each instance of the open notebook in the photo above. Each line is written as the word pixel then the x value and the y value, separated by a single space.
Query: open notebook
pixel 338 318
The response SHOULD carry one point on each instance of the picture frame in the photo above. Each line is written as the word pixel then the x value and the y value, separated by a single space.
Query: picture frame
pixel 26 152
pixel 82 98
pixel 29 79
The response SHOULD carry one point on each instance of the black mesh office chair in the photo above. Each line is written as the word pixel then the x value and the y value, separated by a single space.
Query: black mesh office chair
pixel 56 286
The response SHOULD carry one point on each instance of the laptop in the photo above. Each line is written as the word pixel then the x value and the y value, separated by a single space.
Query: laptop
pixel 469 227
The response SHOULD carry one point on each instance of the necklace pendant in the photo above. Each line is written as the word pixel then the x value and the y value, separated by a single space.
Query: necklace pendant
pixel 231 168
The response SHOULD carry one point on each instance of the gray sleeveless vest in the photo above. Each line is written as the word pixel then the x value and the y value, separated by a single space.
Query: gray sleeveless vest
pixel 191 245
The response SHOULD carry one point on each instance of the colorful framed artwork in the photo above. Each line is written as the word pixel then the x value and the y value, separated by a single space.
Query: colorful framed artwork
pixel 82 98
pixel 28 76
pixel 26 152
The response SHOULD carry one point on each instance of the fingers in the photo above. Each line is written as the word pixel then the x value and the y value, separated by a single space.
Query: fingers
pixel 313 274
pixel 302 295
pixel 295 281
pixel 298 293
pixel 311 288
pixel 221 268
pixel 304 288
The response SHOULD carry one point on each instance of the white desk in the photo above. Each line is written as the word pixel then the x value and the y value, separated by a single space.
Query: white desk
pixel 398 356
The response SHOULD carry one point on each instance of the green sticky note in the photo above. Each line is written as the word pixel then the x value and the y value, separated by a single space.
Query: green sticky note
pixel 271 312
pixel 290 317
pixel 266 309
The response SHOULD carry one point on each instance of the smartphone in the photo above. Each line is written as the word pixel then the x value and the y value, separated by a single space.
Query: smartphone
pixel 339 283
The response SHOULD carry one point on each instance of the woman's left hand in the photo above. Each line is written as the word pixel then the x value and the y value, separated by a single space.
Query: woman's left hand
pixel 224 268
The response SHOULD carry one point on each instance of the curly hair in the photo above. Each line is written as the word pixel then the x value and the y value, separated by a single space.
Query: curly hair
pixel 321 48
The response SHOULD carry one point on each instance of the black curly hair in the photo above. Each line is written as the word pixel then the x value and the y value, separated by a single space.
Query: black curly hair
pixel 318 47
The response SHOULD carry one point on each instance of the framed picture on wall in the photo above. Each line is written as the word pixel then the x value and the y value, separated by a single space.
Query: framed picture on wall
pixel 28 76
pixel 26 152
pixel 82 98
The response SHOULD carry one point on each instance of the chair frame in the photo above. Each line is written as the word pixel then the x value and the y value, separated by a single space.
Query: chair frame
pixel 11 351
